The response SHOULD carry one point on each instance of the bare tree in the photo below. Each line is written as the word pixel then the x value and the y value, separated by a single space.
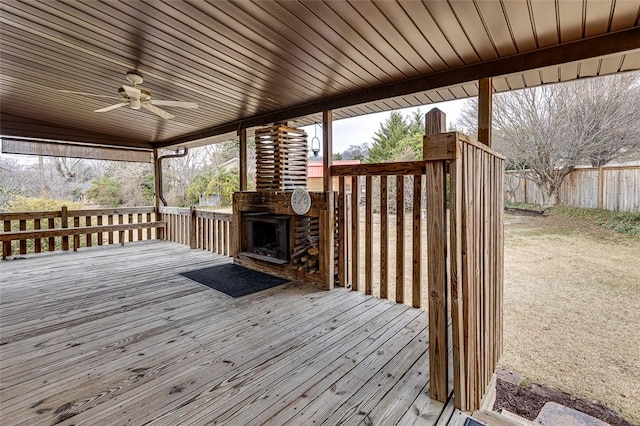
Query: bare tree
pixel 549 130
pixel 15 179
pixel 605 116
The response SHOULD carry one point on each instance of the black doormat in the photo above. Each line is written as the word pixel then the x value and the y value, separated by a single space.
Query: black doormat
pixel 234 280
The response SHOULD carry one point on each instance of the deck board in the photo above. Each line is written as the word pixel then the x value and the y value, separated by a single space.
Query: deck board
pixel 114 335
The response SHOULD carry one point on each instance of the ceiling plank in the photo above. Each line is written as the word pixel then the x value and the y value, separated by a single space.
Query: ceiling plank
pixel 606 44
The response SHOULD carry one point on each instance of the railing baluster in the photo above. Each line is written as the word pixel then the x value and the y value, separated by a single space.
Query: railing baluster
pixel 6 245
pixel 110 222
pixel 89 237
pixel 417 242
pixel 355 232
pixel 384 237
pixel 23 243
pixel 100 234
pixel 400 238
pixel 129 221
pixel 342 237
pixel 52 240
pixel 76 237
pixel 368 220
pixel 121 233
pixel 37 242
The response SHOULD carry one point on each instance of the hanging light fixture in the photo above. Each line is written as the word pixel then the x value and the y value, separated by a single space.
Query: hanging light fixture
pixel 315 141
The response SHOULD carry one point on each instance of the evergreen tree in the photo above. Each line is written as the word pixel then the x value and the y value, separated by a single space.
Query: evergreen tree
pixel 386 141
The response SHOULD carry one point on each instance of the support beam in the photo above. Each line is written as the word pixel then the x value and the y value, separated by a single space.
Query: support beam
pixel 327 150
pixel 485 105
pixel 242 135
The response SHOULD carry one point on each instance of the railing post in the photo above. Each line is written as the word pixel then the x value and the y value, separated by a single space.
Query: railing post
pixel 436 211
pixel 64 223
pixel 193 228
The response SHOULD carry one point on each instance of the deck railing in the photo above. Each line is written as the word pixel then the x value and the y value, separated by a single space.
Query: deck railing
pixel 199 229
pixel 380 228
pixel 398 240
pixel 35 232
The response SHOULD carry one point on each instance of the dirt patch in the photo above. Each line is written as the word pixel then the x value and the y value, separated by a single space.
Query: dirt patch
pixel 528 400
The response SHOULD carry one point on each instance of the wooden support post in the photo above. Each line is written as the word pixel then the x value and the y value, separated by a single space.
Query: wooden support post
pixel 193 228
pixel 436 211
pixel 485 104
pixel 327 150
pixel 242 135
pixel 156 180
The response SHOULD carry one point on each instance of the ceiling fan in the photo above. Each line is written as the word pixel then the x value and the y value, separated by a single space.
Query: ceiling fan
pixel 137 97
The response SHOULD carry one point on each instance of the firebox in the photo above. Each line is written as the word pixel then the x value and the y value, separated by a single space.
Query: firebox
pixel 266 237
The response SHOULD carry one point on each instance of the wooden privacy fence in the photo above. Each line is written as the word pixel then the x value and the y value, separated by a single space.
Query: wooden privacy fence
pixel 199 229
pixel 396 243
pixel 35 232
pixel 610 188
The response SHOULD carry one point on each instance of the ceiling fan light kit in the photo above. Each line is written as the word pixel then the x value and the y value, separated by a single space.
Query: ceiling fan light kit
pixel 138 97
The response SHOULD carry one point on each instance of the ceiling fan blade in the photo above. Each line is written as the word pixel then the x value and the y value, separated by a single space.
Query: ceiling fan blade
pixel 154 109
pixel 111 107
pixel 132 92
pixel 178 104
pixel 86 94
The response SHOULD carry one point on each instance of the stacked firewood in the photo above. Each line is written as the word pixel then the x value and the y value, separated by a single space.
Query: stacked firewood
pixel 308 260
pixel 306 255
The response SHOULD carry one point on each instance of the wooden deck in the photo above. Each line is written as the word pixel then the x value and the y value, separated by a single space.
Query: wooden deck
pixel 113 335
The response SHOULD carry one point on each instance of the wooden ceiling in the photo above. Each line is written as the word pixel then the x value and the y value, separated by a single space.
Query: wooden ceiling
pixel 251 63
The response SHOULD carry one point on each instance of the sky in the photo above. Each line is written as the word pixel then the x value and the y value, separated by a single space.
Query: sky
pixel 358 130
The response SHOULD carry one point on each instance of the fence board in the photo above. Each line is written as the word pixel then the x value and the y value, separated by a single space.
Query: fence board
pixel 610 188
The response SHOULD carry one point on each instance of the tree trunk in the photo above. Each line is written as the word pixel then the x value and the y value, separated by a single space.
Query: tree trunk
pixel 550 194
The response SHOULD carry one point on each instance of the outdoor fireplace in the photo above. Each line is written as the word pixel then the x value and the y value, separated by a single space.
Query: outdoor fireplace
pixel 266 237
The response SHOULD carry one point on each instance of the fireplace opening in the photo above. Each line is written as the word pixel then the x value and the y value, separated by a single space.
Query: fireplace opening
pixel 266 237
